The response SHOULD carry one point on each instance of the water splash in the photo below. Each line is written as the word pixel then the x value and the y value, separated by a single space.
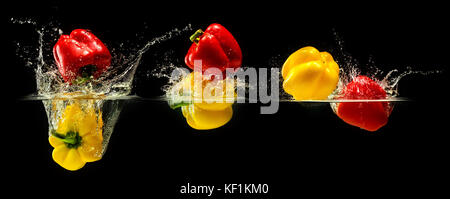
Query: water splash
pixel 351 68
pixel 171 88
pixel 116 82
pixel 106 94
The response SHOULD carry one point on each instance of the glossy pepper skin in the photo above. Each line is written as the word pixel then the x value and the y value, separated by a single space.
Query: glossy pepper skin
pixel 211 112
pixel 366 115
pixel 204 119
pixel 81 54
pixel 216 47
pixel 309 74
pixel 78 137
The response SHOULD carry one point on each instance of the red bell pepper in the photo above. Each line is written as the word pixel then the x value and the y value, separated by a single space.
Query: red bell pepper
pixel 216 47
pixel 367 115
pixel 81 55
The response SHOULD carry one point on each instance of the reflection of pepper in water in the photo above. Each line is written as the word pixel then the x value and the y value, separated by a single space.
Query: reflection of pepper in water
pixel 78 136
pixel 309 74
pixel 213 111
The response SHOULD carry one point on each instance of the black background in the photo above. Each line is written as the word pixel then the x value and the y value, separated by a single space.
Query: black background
pixel 304 149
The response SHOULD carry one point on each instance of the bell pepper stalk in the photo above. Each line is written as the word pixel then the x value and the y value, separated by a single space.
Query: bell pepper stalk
pixel 309 74
pixel 211 112
pixel 181 94
pixel 71 139
pixel 81 56
pixel 366 115
pixel 216 47
pixel 78 137
pixel 176 104
pixel 179 97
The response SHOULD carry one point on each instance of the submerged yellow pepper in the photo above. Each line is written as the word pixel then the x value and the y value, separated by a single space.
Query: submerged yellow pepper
pixel 206 112
pixel 204 119
pixel 309 74
pixel 78 136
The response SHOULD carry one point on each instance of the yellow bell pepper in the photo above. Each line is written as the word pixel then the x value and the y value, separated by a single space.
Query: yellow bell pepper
pixel 203 113
pixel 309 74
pixel 78 137
pixel 203 119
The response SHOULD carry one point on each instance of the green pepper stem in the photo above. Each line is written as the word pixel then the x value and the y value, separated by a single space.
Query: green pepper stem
pixel 71 139
pixel 178 105
pixel 80 80
pixel 196 36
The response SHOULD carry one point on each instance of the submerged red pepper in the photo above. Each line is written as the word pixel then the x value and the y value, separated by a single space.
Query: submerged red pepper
pixel 367 115
pixel 215 47
pixel 81 54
